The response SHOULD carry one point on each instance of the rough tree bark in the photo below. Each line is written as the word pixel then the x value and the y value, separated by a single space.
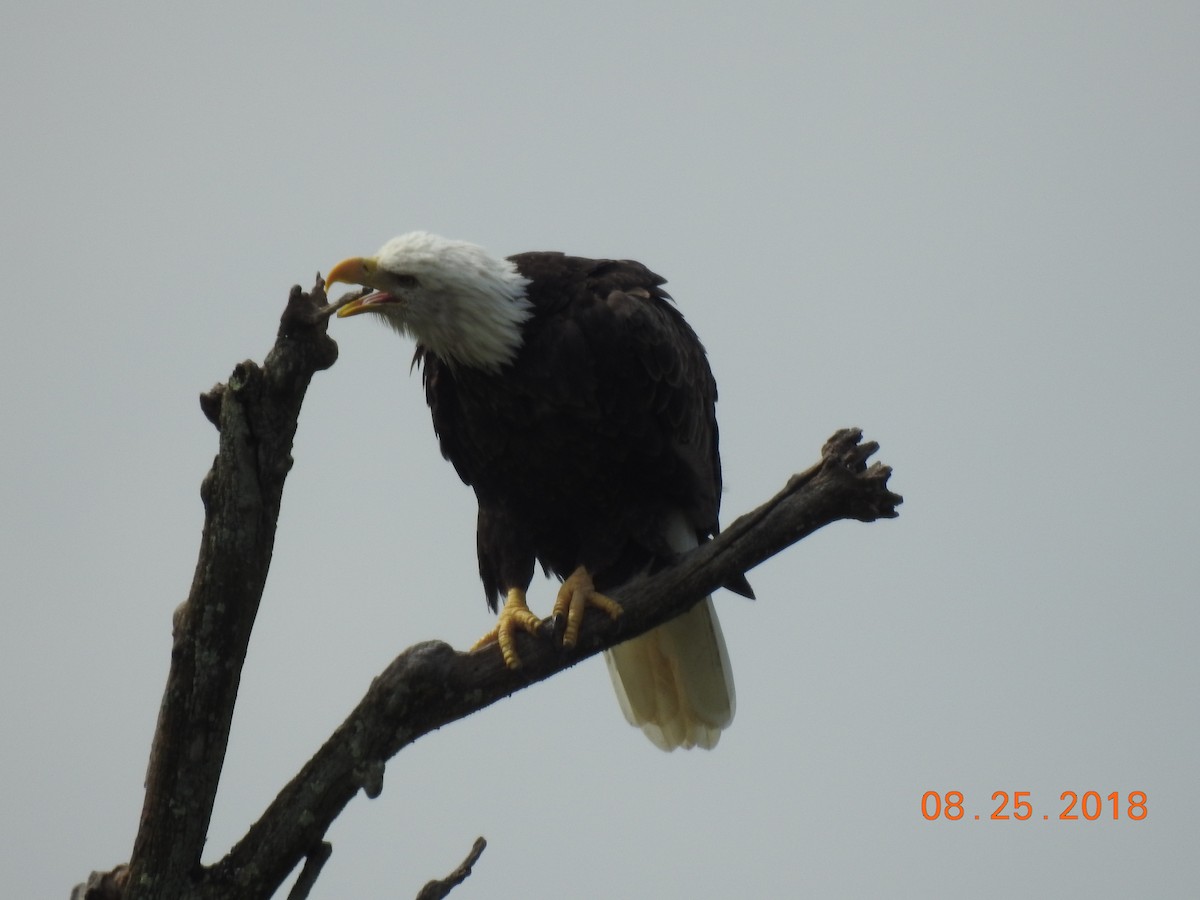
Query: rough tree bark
pixel 427 686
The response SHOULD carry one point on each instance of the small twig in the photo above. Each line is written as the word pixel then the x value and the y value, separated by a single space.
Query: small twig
pixel 437 889
pixel 313 863
pixel 103 885
pixel 334 305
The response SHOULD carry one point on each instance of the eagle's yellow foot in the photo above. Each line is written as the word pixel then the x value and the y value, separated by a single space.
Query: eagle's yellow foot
pixel 576 595
pixel 513 616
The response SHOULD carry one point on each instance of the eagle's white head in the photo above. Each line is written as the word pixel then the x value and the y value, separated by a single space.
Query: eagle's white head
pixel 454 298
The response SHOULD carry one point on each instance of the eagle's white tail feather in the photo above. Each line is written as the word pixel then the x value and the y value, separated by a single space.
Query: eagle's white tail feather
pixel 675 682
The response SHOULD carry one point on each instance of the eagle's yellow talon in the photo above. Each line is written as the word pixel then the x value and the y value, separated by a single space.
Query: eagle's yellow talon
pixel 574 597
pixel 515 615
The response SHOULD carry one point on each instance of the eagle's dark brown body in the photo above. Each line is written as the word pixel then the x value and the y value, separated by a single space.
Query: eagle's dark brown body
pixel 574 399
pixel 602 428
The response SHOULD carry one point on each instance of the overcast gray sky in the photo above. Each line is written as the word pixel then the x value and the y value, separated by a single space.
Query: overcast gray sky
pixel 970 229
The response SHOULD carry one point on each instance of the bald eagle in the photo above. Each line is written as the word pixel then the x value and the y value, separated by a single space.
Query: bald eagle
pixel 572 396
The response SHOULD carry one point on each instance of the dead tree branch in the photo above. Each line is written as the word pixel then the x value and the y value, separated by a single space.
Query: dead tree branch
pixel 256 413
pixel 427 686
pixel 439 888
pixel 430 684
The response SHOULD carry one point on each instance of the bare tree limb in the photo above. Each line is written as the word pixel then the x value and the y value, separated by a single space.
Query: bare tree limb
pixel 426 686
pixel 430 684
pixel 256 414
pixel 439 888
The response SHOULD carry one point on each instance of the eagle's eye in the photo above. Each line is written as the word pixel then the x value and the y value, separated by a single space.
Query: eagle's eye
pixel 403 279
